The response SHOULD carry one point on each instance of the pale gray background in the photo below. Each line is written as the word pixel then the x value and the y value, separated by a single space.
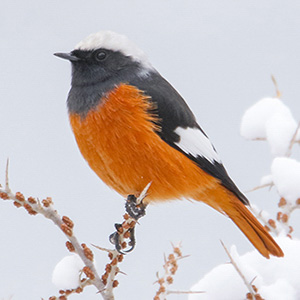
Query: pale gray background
pixel 218 54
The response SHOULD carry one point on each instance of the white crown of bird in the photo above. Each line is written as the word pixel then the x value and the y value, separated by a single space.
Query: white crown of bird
pixel 116 42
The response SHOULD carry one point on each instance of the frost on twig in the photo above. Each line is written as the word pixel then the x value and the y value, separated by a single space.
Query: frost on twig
pixel 170 268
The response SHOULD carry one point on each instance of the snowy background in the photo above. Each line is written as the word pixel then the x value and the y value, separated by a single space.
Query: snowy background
pixel 218 54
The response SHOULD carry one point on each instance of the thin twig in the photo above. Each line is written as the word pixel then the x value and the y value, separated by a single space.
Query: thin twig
pixel 248 285
pixel 293 141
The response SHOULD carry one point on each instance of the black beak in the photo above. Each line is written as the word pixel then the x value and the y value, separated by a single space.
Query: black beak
pixel 68 56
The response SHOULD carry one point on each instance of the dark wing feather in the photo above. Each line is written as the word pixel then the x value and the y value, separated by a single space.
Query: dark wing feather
pixel 173 112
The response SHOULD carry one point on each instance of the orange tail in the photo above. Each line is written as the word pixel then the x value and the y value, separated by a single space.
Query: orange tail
pixel 225 202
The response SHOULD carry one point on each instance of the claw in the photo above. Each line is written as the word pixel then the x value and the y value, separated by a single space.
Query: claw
pixel 135 211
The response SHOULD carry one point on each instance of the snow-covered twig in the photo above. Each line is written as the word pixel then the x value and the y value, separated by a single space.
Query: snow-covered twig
pixel 251 288
pixel 65 224
pixel 293 141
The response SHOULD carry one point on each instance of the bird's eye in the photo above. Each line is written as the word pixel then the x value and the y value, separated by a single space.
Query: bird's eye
pixel 100 55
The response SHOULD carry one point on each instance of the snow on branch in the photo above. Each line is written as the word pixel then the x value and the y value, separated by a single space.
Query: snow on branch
pixel 73 273
pixel 278 278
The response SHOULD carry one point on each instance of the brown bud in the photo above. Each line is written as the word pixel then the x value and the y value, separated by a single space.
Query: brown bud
pixel 177 251
pixel 297 202
pixel 88 272
pixel 47 202
pixel 258 297
pixel 291 229
pixel 104 278
pixel 267 228
pixel 173 270
pixel 279 215
pixel 282 202
pixel 115 283
pixel 114 262
pixel 170 279
pixel 68 221
pixel 249 296
pixel 108 268
pixel 20 196
pixel 171 257
pixel 110 255
pixel 29 209
pixel 3 195
pixel 284 218
pixel 69 292
pixel 272 223
pixel 61 291
pixel 31 200
pixel 70 246
pixel 126 216
pixel 161 281
pixel 52 298
pixel 87 252
pixel 78 290
pixel 162 289
pixel 254 288
pixel 17 204
pixel 123 245
pixel 67 230
pixel 62 298
pixel 120 257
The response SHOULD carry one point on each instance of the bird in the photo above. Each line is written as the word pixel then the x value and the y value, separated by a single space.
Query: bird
pixel 133 127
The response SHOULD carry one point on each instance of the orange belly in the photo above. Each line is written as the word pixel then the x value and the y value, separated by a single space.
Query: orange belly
pixel 118 141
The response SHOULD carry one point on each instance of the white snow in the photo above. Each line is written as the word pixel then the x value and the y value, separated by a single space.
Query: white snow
pixel 266 180
pixel 272 120
pixel 286 177
pixel 66 273
pixel 275 278
pixel 194 142
pixel 114 41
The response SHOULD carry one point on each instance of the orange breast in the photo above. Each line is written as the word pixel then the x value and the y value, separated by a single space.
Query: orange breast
pixel 118 141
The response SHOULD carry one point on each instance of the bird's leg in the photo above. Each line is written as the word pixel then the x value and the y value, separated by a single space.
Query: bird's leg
pixel 124 236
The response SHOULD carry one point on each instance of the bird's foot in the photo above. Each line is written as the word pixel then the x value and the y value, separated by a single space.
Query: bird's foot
pixel 136 209
pixel 124 236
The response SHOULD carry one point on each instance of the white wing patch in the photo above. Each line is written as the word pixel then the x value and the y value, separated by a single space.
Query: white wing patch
pixel 194 142
pixel 116 42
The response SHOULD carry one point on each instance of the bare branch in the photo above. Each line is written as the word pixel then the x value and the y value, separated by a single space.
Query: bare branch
pixel 232 261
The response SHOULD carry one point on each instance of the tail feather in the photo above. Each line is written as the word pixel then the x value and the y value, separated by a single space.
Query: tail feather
pixel 253 230
pixel 227 203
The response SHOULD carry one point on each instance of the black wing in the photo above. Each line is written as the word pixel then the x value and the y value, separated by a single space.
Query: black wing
pixel 175 116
